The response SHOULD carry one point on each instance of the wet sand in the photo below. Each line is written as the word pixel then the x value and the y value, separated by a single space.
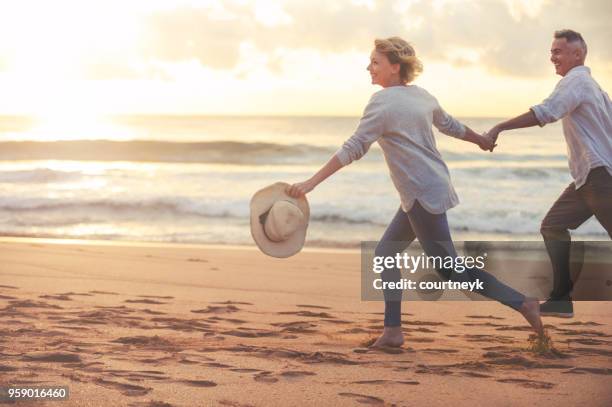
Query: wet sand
pixel 164 325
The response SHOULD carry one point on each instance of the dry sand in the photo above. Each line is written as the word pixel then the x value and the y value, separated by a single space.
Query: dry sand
pixel 155 325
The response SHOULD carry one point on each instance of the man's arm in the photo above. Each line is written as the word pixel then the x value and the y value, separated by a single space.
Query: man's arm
pixel 525 120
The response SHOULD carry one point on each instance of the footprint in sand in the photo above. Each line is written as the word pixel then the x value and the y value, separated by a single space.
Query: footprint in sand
pixel 594 370
pixel 296 326
pixel 198 383
pixel 145 301
pixel 307 314
pixel 152 403
pixel 152 342
pixel 50 357
pixel 296 374
pixel 31 304
pixel 230 320
pixel 73 293
pixel 483 317
pixel 214 309
pixel 231 403
pixel 312 306
pixel 531 384
pixel 104 292
pixel 363 398
pixel 582 332
pixel 126 389
pixel 440 350
pixel 588 323
pixel 216 364
pixel 229 302
pixel 59 297
pixel 593 351
pixel 380 381
pixel 250 333
pixel 438 370
pixel 7 297
pixel 586 341
pixel 10 287
pixel 425 323
pixel 491 324
pixel 489 338
pixel 265 377
pixel 197 260
pixel 518 361
pixel 165 297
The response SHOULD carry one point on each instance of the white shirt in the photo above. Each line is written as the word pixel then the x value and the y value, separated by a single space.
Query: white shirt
pixel 587 121
pixel 399 118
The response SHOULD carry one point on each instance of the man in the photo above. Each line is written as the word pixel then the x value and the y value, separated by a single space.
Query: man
pixel 586 114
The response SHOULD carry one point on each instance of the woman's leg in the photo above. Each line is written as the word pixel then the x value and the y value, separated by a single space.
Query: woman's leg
pixel 397 237
pixel 434 235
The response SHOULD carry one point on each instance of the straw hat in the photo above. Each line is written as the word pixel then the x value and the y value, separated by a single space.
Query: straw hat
pixel 279 221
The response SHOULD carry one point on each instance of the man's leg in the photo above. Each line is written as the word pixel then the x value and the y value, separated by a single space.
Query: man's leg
pixel 597 193
pixel 568 212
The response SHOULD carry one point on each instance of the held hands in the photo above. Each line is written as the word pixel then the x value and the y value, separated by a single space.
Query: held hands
pixel 300 189
pixel 485 142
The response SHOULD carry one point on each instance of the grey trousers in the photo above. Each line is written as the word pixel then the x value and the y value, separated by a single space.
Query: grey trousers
pixel 572 209
pixel 434 235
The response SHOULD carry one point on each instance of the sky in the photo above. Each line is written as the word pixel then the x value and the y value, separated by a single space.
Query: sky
pixel 487 58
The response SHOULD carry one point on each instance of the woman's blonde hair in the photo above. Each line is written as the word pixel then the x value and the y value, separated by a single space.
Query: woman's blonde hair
pixel 400 52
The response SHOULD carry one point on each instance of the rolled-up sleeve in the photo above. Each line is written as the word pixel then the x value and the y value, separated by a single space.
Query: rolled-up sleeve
pixel 371 128
pixel 564 99
pixel 447 124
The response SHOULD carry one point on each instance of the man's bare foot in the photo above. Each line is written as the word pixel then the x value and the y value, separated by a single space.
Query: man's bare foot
pixel 530 309
pixel 392 336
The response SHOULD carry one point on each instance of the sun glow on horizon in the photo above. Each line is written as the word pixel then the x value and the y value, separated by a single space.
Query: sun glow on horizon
pixel 70 62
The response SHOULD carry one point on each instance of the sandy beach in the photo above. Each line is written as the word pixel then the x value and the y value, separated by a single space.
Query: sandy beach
pixel 155 325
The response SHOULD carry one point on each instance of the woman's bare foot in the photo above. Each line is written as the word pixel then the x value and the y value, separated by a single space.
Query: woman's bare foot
pixel 530 309
pixel 392 336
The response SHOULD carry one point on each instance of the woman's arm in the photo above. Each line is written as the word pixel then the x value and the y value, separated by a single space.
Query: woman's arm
pixel 485 143
pixel 302 188
pixel 450 126
pixel 371 128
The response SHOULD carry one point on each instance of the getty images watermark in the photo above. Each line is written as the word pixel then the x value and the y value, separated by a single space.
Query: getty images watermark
pixel 445 271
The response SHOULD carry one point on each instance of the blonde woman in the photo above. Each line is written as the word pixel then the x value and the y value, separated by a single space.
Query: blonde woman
pixel 400 118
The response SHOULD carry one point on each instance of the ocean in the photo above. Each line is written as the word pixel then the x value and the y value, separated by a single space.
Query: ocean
pixel 189 179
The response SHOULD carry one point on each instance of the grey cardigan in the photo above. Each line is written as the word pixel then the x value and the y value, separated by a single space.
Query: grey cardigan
pixel 400 119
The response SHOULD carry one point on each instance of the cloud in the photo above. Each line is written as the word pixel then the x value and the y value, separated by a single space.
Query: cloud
pixel 509 38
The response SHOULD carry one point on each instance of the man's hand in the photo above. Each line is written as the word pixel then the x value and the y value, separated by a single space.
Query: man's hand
pixel 493 133
pixel 300 189
pixel 485 142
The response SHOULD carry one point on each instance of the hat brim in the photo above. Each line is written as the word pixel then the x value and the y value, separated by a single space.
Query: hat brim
pixel 260 203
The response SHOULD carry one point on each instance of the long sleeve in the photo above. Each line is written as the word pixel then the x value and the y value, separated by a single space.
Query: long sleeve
pixel 447 124
pixel 564 99
pixel 371 128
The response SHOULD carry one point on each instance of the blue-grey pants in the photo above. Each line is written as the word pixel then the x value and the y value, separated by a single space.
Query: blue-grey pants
pixel 434 235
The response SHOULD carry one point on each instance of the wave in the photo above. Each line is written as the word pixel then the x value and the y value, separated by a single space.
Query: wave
pixel 230 152
pixel 39 175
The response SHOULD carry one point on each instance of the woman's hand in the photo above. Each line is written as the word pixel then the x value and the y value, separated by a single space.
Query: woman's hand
pixel 485 142
pixel 300 189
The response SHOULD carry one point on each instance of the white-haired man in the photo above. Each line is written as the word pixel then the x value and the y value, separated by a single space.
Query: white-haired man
pixel 586 113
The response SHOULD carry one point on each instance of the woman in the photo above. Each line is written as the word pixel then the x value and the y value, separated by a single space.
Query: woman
pixel 400 117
